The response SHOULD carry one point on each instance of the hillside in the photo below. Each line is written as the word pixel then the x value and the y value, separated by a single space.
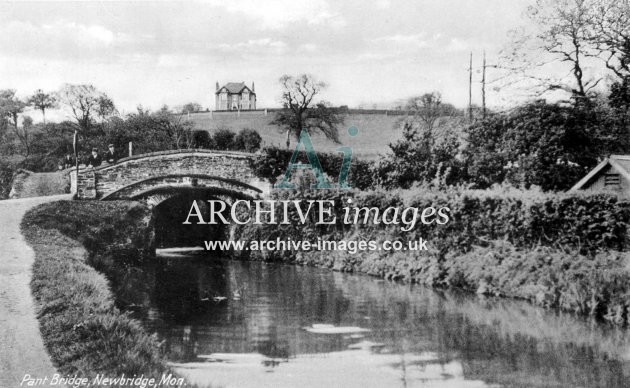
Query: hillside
pixel 376 131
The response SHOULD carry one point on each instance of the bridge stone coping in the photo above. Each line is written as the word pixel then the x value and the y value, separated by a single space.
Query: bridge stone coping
pixel 170 170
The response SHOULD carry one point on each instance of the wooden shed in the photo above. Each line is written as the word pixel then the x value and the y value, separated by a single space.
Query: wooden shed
pixel 611 175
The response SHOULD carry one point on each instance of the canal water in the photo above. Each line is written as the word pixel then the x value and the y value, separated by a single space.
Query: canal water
pixel 250 324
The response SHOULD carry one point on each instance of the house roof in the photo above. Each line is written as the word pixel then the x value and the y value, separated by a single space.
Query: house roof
pixel 620 163
pixel 234 88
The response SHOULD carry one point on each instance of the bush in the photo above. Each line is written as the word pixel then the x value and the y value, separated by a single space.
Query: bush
pixel 202 139
pixel 6 178
pixel 224 139
pixel 272 163
pixel 41 163
pixel 247 140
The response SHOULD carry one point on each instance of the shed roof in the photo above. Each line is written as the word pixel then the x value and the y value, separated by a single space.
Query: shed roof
pixel 620 163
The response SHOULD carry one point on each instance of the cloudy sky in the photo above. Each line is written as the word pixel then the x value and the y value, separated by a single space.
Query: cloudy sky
pixel 155 53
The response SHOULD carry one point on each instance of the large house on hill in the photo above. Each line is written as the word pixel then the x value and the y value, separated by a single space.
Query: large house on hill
pixel 235 96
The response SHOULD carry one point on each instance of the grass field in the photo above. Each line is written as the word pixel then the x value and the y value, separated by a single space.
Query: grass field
pixel 376 131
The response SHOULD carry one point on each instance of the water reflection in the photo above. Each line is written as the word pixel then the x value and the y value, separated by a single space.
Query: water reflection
pixel 245 324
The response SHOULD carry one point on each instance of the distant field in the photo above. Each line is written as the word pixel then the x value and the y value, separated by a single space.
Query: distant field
pixel 376 131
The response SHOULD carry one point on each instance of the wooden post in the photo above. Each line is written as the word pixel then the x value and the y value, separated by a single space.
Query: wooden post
pixel 76 156
pixel 130 149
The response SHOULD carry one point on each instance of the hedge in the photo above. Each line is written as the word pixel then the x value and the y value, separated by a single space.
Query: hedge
pixel 557 251
pixel 587 223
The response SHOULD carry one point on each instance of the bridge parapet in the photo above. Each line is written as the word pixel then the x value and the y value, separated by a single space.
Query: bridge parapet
pixel 176 169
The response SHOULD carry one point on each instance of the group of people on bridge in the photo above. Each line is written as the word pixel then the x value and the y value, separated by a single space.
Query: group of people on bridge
pixel 94 159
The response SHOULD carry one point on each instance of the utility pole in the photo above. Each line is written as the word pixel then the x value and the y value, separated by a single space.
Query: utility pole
pixel 483 86
pixel 470 113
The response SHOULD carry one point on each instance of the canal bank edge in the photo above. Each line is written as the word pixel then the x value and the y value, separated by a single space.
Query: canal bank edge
pixel 82 328
pixel 564 251
pixel 21 347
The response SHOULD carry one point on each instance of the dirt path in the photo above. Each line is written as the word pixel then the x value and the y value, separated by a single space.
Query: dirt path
pixel 21 347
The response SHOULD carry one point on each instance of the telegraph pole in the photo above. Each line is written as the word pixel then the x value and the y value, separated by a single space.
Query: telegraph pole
pixel 483 86
pixel 470 110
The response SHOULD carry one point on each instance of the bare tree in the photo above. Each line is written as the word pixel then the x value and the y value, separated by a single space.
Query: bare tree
pixel 611 21
pixel 426 108
pixel 86 104
pixel 561 40
pixel 300 111
pixel 42 101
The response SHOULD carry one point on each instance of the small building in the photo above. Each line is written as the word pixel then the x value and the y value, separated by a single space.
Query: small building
pixel 612 175
pixel 235 96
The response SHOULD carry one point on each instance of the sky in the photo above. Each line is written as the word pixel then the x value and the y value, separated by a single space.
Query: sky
pixel 155 53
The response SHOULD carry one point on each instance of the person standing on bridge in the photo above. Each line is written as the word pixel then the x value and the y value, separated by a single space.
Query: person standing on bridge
pixel 111 156
pixel 68 161
pixel 95 159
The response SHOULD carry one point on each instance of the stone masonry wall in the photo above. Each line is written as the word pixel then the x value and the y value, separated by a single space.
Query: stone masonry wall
pixel 96 183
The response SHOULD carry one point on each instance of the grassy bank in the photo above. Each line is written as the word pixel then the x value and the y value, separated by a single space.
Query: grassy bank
pixel 376 131
pixel 38 184
pixel 558 251
pixel 83 330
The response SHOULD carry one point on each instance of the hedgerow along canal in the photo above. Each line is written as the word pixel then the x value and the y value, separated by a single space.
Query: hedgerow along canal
pixel 250 324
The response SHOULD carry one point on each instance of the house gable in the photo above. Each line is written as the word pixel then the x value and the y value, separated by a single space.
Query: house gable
pixel 235 88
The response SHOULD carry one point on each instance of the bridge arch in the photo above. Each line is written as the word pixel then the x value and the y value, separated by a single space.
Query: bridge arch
pixel 167 173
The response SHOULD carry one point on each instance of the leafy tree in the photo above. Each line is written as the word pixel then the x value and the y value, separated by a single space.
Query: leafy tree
pixel 11 106
pixel 105 107
pixel 484 155
pixel 421 157
pixel 301 112
pixel 42 101
pixel 548 145
pixel 619 97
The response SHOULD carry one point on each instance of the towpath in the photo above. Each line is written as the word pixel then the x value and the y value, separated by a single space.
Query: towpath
pixel 22 349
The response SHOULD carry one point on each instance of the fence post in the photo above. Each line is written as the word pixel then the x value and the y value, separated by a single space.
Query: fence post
pixel 130 149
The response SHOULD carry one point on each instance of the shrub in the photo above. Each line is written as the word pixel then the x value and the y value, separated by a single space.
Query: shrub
pixel 6 178
pixel 596 286
pixel 202 139
pixel 247 140
pixel 40 163
pixel 272 162
pixel 224 139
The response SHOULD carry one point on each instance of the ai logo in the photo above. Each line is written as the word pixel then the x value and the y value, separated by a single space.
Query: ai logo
pixel 313 164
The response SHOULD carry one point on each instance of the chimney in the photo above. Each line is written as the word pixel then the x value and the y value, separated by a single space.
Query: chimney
pixel 253 88
pixel 217 86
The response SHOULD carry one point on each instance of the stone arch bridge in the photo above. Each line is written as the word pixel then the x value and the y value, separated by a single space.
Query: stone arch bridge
pixel 158 176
